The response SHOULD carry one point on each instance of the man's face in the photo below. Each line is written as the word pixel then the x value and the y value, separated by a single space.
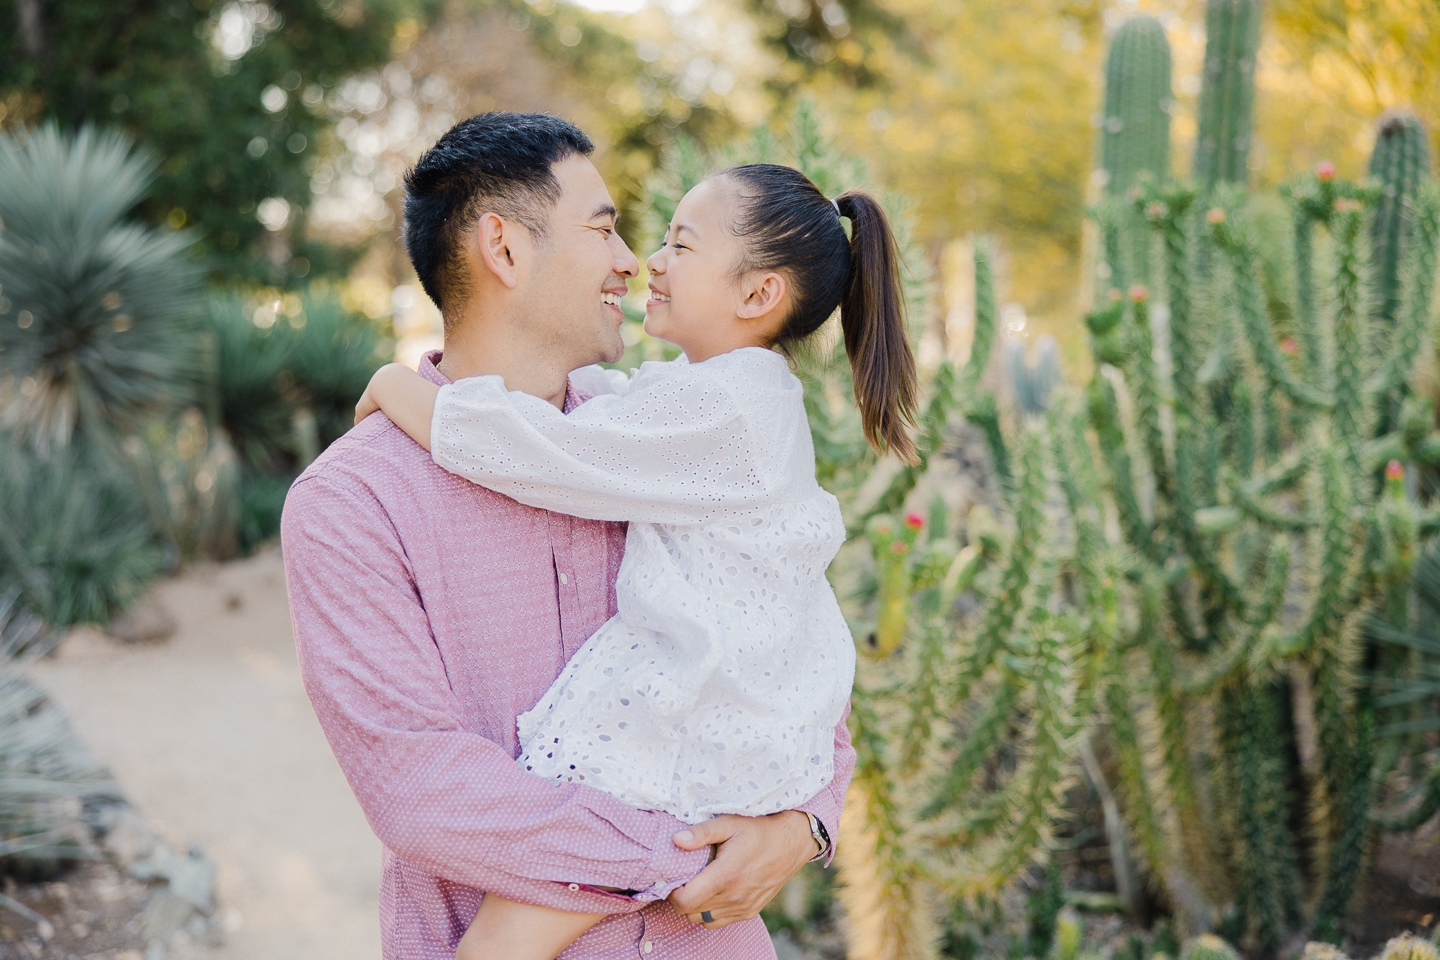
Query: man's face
pixel 579 271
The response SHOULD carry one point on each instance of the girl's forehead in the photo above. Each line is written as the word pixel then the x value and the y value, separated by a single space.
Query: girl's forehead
pixel 707 204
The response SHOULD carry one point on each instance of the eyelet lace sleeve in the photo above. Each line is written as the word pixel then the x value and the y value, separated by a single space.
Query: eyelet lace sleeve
pixel 676 448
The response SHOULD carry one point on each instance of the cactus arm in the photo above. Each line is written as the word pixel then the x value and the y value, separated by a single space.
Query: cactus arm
pixel 1009 600
pixel 1105 417
pixel 1267 514
pixel 1146 380
pixel 1348 418
pixel 1427 807
pixel 924 692
pixel 1223 664
pixel 982 737
pixel 1400 164
pixel 1281 475
pixel 1222 142
pixel 984 413
pixel 1134 781
pixel 1307 320
pixel 1040 777
pixel 984 339
pixel 1244 259
pixel 1426 451
pixel 1415 309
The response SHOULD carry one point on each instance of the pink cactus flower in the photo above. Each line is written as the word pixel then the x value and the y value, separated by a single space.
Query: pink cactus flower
pixel 1139 294
pixel 1324 171
pixel 1394 470
pixel 1289 346
pixel 1214 216
pixel 914 521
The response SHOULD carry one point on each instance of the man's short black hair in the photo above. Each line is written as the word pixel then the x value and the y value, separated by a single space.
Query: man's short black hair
pixel 494 163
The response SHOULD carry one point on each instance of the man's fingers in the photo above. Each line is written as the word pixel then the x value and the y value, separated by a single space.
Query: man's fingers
pixel 704 834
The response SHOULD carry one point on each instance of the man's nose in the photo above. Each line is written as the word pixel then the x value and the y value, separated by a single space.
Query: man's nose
pixel 626 263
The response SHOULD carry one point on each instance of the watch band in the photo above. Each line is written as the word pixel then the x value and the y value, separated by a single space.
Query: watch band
pixel 818 832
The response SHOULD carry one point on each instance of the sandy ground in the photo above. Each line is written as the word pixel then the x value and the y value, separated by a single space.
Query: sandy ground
pixel 212 739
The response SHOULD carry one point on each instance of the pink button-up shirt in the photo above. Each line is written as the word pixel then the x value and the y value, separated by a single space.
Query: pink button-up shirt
pixel 429 613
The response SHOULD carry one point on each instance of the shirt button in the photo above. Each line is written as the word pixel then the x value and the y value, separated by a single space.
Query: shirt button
pixel 564 579
pixel 574 886
pixel 647 946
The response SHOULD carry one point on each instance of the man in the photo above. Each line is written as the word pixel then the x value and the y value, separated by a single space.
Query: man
pixel 429 612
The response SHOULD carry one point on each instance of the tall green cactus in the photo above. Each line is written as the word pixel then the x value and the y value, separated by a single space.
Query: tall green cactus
pixel 1227 92
pixel 1399 163
pixel 1134 138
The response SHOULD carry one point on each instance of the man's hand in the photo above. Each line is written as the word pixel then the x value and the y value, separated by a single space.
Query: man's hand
pixel 756 855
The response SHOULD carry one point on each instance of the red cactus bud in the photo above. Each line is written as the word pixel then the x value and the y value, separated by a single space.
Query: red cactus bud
pixel 884 529
pixel 1155 210
pixel 1289 346
pixel 1324 171
pixel 914 521
pixel 1394 470
pixel 1115 293
pixel 899 547
pixel 1215 215
pixel 1139 294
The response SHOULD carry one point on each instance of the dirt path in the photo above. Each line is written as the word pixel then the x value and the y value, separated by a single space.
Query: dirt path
pixel 212 739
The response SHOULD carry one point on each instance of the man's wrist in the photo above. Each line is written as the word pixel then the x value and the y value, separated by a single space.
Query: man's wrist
pixel 818 833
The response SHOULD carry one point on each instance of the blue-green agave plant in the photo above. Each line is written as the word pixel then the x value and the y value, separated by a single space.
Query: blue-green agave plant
pixel 96 310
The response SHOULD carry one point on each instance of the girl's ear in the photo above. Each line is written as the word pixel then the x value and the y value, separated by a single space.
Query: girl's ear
pixel 763 292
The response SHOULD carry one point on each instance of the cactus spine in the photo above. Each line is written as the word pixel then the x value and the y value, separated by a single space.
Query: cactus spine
pixel 1134 138
pixel 1227 93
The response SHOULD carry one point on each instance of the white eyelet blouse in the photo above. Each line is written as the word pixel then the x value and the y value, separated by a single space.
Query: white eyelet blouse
pixel 717 686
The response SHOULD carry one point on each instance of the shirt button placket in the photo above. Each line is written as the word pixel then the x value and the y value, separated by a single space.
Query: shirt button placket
pixel 647 942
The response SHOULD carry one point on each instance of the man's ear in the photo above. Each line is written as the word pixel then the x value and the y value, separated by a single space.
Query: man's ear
pixel 500 245
pixel 763 292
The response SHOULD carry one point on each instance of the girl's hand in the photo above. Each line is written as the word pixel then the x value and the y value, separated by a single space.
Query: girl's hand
pixel 368 404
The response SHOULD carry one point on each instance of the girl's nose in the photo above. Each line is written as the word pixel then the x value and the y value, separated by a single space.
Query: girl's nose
pixel 656 263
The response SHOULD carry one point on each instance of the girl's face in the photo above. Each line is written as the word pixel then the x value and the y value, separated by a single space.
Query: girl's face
pixel 696 301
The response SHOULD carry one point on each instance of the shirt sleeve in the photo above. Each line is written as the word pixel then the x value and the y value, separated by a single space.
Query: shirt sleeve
pixel 828 804
pixel 676 452
pixel 446 800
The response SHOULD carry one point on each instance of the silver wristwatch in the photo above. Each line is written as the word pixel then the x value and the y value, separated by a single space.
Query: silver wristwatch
pixel 817 831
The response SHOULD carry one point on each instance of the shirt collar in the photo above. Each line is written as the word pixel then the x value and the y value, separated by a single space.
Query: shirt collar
pixel 430 369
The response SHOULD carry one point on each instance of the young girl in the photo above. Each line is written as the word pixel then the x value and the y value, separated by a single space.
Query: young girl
pixel 717 686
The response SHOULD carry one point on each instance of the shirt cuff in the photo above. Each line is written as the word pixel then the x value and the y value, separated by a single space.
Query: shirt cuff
pixel 824 810
pixel 670 867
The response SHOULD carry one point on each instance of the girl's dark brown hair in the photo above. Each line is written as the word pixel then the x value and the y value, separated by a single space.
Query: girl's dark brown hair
pixel 787 225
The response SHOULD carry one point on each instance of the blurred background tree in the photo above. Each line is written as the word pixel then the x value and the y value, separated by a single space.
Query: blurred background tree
pixel 230 94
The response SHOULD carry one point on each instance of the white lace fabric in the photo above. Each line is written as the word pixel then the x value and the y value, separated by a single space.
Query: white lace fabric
pixel 717 686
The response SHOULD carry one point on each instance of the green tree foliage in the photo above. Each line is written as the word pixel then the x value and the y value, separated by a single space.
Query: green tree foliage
pixel 231 93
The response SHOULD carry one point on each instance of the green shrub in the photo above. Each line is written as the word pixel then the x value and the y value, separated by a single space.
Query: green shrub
pixel 75 540
pixel 286 374
pixel 44 773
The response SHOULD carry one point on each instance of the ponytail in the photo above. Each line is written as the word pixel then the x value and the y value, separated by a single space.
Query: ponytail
pixel 788 225
pixel 872 317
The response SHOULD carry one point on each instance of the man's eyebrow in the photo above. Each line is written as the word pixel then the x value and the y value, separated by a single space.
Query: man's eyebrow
pixel 605 210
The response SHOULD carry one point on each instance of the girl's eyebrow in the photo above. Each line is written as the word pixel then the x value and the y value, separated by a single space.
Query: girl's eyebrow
pixel 684 226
